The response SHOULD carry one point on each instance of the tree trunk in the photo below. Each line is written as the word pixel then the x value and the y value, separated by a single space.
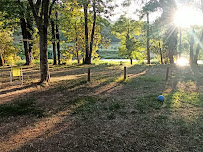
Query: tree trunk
pixel 198 49
pixel 25 39
pixel 87 60
pixel 172 43
pixel 58 41
pixel 42 22
pixel 78 58
pixel 76 43
pixel 160 51
pixel 44 56
pixel 131 61
pixel 93 31
pixel 30 38
pixel 191 48
pixel 148 52
pixel 197 54
pixel 1 60
pixel 53 42
pixel 171 59
pixel 77 51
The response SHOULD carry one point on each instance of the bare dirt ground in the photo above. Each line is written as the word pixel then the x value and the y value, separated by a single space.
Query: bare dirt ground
pixel 106 114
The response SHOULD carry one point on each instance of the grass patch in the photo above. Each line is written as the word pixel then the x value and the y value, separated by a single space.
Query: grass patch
pixel 148 103
pixel 85 104
pixel 181 98
pixel 21 107
pixel 150 78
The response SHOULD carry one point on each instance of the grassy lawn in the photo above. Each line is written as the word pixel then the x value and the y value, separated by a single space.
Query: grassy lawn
pixel 106 114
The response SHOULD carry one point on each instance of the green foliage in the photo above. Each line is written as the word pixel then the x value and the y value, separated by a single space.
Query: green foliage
pixel 130 34
pixel 7 50
pixel 73 29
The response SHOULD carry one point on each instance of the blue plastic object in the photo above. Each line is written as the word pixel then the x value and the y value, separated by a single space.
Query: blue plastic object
pixel 161 98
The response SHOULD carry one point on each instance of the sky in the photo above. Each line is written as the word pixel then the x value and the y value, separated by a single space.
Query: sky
pixel 130 11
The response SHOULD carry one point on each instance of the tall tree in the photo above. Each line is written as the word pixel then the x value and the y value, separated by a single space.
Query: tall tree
pixel 19 10
pixel 130 34
pixel 201 40
pixel 58 39
pixel 41 10
pixel 168 8
pixel 191 42
pixel 148 39
pixel 95 8
pixel 73 29
pixel 53 41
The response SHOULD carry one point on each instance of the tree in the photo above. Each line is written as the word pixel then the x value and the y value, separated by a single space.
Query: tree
pixel 53 41
pixel 130 34
pixel 191 42
pixel 168 8
pixel 7 50
pixel 98 7
pixel 73 28
pixel 20 10
pixel 58 39
pixel 200 41
pixel 41 10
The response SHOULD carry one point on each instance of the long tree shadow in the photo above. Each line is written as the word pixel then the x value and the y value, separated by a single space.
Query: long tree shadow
pixel 111 124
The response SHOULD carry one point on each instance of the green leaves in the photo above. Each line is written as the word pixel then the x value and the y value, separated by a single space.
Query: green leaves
pixel 130 33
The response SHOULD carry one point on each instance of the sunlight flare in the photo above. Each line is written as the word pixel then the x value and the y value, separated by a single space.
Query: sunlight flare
pixel 187 16
pixel 182 62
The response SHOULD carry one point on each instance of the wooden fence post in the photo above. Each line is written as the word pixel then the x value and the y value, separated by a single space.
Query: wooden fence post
pixel 125 71
pixel 88 79
pixel 167 73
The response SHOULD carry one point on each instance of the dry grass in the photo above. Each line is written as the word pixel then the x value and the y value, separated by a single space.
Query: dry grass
pixel 106 114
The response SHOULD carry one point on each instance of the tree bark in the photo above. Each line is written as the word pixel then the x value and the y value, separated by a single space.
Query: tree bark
pixel 1 60
pixel 172 43
pixel 86 61
pixel 58 41
pixel 30 38
pixel 93 31
pixel 76 43
pixel 42 15
pixel 44 56
pixel 53 42
pixel 25 39
pixel 77 51
pixel 198 49
pixel 148 51
pixel 131 61
pixel 160 51
pixel 192 48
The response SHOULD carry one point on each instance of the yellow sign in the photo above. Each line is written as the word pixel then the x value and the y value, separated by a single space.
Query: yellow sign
pixel 16 71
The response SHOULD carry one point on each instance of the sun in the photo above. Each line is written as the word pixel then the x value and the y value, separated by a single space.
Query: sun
pixel 187 16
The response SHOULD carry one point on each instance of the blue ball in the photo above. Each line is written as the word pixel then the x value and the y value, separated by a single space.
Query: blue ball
pixel 161 98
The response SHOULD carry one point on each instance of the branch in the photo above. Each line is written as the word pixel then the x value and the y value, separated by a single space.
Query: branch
pixel 50 9
pixel 33 8
pixel 37 5
pixel 21 9
pixel 34 11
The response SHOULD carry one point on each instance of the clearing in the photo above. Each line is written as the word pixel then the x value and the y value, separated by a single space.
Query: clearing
pixel 106 114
